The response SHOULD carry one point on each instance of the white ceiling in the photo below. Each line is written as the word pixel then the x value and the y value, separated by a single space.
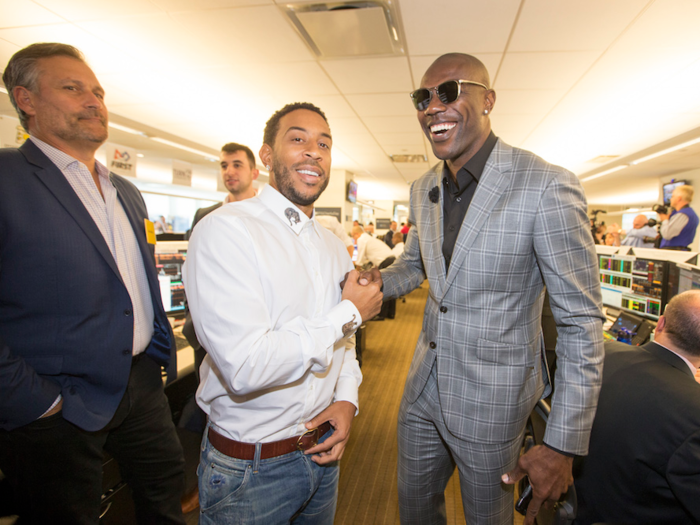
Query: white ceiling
pixel 575 80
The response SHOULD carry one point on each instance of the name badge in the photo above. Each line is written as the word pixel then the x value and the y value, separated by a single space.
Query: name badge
pixel 150 231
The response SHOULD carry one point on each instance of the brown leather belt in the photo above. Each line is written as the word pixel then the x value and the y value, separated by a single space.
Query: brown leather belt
pixel 238 450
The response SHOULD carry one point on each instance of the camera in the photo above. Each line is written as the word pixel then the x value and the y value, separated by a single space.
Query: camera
pixel 660 208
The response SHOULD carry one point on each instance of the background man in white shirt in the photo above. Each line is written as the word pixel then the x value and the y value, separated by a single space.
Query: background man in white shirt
pixel 369 249
pixel 263 284
pixel 397 240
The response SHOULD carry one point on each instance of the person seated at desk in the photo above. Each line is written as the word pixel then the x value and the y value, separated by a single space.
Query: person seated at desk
pixel 643 464
pixel 397 240
pixel 369 249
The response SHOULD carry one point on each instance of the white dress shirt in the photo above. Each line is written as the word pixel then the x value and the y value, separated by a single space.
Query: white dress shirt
pixel 371 249
pixel 397 249
pixel 263 286
pixel 117 231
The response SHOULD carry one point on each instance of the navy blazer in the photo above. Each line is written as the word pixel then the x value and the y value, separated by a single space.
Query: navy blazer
pixel 66 322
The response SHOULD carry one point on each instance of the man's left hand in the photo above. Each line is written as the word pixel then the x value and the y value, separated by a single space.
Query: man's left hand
pixel 340 416
pixel 549 473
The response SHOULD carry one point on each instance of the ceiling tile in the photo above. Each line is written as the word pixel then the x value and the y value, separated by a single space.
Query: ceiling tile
pixel 555 70
pixel 391 124
pixel 420 64
pixel 413 139
pixel 467 26
pixel 526 101
pixel 246 35
pixel 544 25
pixel 188 5
pixel 18 13
pixel 370 75
pixel 383 105
pixel 76 10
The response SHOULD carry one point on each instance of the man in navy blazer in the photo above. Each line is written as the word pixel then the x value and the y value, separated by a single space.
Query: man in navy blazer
pixel 83 334
pixel 644 459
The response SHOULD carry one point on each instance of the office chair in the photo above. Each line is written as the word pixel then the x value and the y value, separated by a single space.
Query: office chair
pixel 564 511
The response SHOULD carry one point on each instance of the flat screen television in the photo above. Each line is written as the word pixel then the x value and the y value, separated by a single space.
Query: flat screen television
pixel 352 191
pixel 669 187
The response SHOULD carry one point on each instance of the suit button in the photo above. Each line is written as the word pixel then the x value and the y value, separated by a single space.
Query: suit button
pixel 71 390
pixel 443 309
pixel 127 312
pixel 126 351
pixel 432 345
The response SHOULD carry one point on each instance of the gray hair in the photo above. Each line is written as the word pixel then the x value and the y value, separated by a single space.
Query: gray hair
pixel 22 69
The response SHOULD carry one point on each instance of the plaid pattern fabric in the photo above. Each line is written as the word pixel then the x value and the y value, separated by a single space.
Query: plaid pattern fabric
pixel 114 225
pixel 526 227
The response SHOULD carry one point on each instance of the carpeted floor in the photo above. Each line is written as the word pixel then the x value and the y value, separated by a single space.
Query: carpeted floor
pixel 367 491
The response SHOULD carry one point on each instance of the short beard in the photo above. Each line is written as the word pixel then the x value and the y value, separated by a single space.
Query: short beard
pixel 285 186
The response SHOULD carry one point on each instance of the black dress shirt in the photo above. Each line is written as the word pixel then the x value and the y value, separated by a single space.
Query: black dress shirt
pixel 458 195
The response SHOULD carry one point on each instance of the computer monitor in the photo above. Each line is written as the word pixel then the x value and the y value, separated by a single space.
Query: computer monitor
pixel 170 256
pixel 669 187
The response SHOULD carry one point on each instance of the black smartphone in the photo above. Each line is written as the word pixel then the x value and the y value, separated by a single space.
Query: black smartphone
pixel 525 498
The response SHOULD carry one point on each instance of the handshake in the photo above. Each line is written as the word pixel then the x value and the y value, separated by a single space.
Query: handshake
pixel 364 290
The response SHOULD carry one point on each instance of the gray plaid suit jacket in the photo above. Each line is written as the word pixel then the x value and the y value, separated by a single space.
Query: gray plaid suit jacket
pixel 526 227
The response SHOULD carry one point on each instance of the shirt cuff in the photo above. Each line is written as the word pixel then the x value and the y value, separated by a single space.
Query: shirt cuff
pixel 346 390
pixel 345 318
pixel 567 454
pixel 58 400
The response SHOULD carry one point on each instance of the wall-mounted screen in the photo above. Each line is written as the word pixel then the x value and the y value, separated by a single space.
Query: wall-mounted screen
pixel 669 187
pixel 352 191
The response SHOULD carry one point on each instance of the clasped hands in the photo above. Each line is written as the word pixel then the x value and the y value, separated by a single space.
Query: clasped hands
pixel 364 291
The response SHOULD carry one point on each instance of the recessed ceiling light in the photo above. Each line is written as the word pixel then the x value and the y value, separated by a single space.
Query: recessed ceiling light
pixel 184 148
pixel 127 129
pixel 606 172
pixel 666 151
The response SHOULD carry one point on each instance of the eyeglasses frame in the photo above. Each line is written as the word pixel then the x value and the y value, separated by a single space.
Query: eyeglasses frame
pixel 435 88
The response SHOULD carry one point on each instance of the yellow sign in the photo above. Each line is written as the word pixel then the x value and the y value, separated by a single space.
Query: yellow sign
pixel 150 232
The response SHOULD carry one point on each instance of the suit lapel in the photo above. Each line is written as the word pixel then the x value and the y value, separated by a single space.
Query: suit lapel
pixel 494 180
pixel 47 172
pixel 434 226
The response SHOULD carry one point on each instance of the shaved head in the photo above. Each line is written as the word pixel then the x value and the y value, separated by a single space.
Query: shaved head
pixel 473 65
pixel 640 221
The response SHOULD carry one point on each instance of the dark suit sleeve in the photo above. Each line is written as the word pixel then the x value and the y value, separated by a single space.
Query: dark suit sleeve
pixel 24 394
pixel 683 474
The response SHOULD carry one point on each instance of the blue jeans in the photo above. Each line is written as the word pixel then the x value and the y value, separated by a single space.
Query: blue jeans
pixel 281 490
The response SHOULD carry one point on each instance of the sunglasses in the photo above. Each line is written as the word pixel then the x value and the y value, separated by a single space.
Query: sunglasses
pixel 447 92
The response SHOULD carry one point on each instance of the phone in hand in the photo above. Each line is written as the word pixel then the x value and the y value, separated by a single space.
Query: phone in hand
pixel 525 497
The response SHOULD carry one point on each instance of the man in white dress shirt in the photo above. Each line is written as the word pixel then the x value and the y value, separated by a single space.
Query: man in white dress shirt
pixel 369 249
pixel 280 379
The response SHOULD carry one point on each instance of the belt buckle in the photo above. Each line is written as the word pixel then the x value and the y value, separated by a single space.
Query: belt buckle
pixel 306 433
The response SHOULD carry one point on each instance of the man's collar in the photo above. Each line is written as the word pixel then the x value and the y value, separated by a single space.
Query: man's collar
pixel 287 212
pixel 475 166
pixel 62 160
pixel 692 367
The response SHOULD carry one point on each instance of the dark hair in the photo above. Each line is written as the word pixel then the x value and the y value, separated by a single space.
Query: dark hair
pixel 683 321
pixel 22 69
pixel 233 147
pixel 273 124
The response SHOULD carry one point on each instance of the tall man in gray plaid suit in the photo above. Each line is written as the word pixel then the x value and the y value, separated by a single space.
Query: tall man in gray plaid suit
pixel 493 224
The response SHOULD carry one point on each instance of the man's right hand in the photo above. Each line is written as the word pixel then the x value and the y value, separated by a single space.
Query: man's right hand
pixel 366 298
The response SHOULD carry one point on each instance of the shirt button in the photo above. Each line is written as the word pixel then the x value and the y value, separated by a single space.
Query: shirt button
pixel 432 345
pixel 126 351
pixel 452 228
pixel 459 199
pixel 443 309
pixel 127 312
